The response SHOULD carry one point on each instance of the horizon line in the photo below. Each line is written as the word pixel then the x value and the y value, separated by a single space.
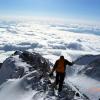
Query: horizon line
pixel 49 18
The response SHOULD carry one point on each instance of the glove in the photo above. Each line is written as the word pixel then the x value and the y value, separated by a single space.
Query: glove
pixel 51 74
pixel 73 63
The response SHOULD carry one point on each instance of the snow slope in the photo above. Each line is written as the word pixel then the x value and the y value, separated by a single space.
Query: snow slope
pixel 32 79
pixel 87 85
pixel 13 90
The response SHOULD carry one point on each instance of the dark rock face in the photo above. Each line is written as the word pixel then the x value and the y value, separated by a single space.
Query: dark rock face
pixel 22 63
pixel 91 66
pixel 0 65
pixel 36 61
pixel 81 64
pixel 86 59
pixel 93 69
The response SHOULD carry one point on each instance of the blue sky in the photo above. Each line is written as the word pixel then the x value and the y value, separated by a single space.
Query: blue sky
pixel 74 9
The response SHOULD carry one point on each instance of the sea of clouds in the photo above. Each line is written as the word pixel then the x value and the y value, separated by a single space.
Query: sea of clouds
pixel 49 38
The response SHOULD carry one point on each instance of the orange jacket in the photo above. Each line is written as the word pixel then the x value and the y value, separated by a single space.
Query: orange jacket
pixel 60 65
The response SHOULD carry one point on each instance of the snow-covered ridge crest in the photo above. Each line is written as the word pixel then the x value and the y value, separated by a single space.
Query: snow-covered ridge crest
pixel 21 63
pixel 86 63
pixel 27 73
pixel 92 66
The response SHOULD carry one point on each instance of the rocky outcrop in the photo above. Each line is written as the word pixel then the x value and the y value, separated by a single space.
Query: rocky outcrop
pixel 86 59
pixel 0 65
pixel 92 69
pixel 21 63
pixel 89 65
pixel 32 71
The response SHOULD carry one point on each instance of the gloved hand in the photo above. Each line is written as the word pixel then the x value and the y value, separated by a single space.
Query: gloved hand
pixel 73 63
pixel 51 74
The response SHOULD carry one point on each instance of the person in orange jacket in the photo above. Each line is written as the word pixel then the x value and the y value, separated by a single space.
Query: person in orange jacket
pixel 60 67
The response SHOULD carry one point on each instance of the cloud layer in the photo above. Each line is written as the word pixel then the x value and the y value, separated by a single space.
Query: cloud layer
pixel 48 38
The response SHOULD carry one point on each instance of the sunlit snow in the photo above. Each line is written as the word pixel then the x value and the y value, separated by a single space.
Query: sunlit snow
pixel 51 39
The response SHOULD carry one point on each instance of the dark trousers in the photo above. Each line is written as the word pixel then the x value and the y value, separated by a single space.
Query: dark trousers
pixel 59 80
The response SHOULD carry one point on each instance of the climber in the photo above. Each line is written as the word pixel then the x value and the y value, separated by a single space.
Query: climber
pixel 60 67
